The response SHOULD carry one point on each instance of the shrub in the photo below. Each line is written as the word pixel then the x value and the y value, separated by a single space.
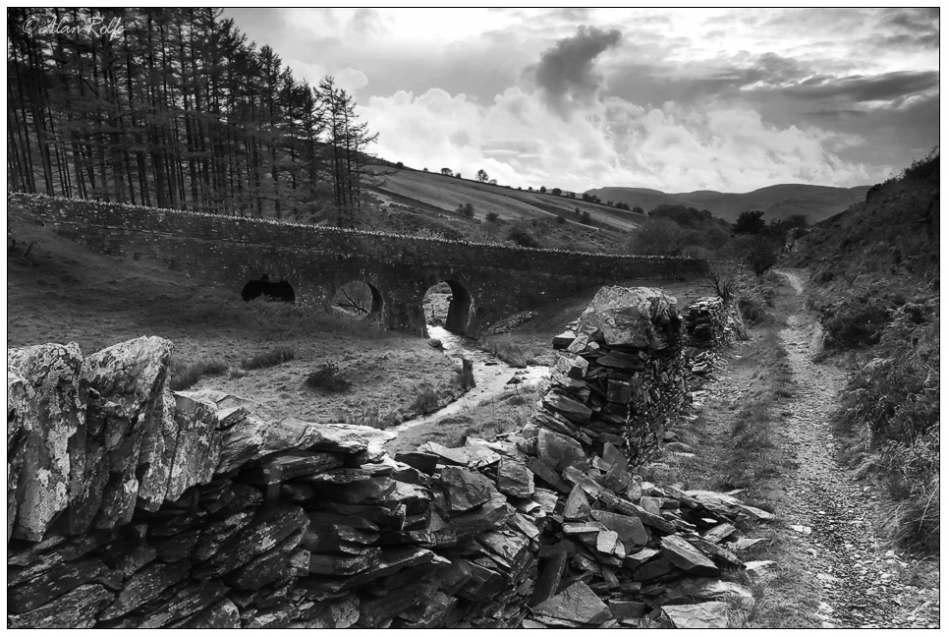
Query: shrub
pixel 328 378
pixel 466 209
pixel 492 216
pixel 523 238
pixel 855 325
pixel 560 219
pixel 761 256
pixel 426 401
pixel 268 359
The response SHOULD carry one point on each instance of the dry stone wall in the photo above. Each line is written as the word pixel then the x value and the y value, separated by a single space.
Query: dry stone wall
pixel 502 280
pixel 133 506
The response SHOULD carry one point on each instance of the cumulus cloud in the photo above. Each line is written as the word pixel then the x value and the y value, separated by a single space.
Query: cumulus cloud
pixel 566 73
pixel 671 147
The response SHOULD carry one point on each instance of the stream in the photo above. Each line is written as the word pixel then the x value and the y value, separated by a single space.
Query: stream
pixel 490 376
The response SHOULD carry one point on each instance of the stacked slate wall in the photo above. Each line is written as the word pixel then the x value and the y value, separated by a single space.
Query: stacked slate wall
pixel 133 506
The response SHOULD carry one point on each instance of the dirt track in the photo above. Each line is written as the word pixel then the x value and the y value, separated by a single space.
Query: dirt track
pixel 863 584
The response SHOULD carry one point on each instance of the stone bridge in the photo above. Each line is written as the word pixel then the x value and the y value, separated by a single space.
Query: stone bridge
pixel 488 282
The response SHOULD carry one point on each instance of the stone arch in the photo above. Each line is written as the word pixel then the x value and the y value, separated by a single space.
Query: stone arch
pixel 460 313
pixel 271 290
pixel 358 298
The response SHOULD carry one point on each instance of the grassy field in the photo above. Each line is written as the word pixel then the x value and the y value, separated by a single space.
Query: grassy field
pixel 64 293
pixel 440 192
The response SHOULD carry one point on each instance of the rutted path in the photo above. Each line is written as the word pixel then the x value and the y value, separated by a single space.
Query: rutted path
pixel 863 583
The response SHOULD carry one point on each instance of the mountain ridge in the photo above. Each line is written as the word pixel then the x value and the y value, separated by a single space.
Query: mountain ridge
pixel 779 201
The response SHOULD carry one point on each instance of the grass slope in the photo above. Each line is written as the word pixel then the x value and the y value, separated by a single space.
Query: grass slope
pixel 437 192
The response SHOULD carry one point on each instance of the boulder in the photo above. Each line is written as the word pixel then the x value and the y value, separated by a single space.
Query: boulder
pixel 686 557
pixel 644 318
pixel 577 604
pixel 514 479
pixel 706 615
pixel 45 411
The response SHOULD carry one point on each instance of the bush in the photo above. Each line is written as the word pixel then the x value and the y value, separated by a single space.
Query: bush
pixel 328 378
pixel 492 216
pixel 893 404
pixel 854 325
pixel 560 219
pixel 426 401
pixel 658 236
pixel 761 256
pixel 523 238
pixel 268 359
pixel 466 209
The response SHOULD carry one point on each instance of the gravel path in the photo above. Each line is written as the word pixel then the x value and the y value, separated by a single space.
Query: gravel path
pixel 863 583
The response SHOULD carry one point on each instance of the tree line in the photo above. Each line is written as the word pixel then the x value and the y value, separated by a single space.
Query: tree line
pixel 175 109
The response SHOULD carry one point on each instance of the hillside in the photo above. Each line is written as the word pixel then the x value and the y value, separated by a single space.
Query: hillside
pixel 779 202
pixel 435 192
pixel 875 285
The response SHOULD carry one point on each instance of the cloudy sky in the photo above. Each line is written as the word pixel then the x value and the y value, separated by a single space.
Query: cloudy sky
pixel 676 100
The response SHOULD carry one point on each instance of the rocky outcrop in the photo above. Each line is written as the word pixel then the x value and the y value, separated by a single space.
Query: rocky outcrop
pixel 205 510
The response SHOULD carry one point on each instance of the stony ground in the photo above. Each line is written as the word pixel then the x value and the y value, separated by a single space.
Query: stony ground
pixel 862 582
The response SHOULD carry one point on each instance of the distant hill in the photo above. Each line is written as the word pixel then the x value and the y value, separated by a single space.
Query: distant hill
pixel 778 202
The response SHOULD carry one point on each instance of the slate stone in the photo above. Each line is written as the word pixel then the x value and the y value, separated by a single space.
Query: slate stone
pixel 187 601
pixel 260 535
pixel 514 479
pixel 276 617
pixel 639 317
pixel 720 533
pixel 559 451
pixel 624 610
pixel 607 543
pixel 705 588
pixel 706 615
pixel 652 569
pixel 563 340
pixel 549 580
pixel 47 410
pixel 322 564
pixel 424 462
pixel 73 610
pixel 721 554
pixel 288 467
pixel 267 567
pixel 375 612
pixel 686 557
pixel 292 433
pixel 464 489
pixel 575 604
pixel 216 533
pixel 577 506
pixel 198 448
pixel 145 586
pixel 52 584
pixel 572 410
pixel 220 614
pixel 630 529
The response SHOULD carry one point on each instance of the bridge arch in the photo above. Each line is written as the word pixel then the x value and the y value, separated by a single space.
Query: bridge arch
pixel 358 298
pixel 451 304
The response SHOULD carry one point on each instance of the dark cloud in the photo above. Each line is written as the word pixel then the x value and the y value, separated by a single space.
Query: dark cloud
pixel 567 74
pixel 860 88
